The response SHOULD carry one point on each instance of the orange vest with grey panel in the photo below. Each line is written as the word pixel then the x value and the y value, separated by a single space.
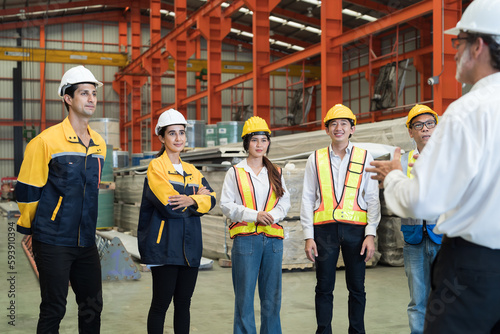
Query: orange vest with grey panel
pixel 247 193
pixel 347 209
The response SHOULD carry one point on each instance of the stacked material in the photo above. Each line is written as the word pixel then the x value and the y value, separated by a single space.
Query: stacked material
pixel 128 196
pixel 391 241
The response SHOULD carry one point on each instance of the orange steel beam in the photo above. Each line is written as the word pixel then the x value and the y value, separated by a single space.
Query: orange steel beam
pixel 388 21
pixel 423 63
pixel 181 27
pixel 448 89
pixel 296 16
pixel 261 56
pixel 277 37
pixel 331 57
pixel 214 27
pixel 43 106
pixel 136 82
pixel 155 69
pixel 373 5
pixel 198 82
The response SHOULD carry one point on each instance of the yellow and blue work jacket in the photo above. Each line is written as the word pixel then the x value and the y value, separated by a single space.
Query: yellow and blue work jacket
pixel 347 210
pixel 164 235
pixel 415 229
pixel 58 186
pixel 247 193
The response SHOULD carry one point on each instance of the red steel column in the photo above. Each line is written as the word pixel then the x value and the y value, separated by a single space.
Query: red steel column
pixel 423 63
pixel 43 111
pixel 448 89
pixel 331 58
pixel 214 28
pixel 198 82
pixel 136 80
pixel 120 87
pixel 155 70
pixel 180 48
pixel 261 56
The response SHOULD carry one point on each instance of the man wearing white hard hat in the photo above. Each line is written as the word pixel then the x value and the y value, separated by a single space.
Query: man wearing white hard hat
pixel 57 192
pixel 456 176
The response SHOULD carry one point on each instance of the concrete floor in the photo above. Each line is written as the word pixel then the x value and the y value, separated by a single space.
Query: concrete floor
pixel 127 302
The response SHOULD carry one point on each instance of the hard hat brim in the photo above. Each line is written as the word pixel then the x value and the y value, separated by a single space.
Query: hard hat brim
pixel 453 31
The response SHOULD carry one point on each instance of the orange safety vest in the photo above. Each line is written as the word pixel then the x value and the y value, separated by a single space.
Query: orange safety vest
pixel 247 193
pixel 348 210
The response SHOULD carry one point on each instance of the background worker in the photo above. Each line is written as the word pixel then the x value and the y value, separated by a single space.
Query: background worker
pixel 255 198
pixel 175 195
pixel 456 177
pixel 340 210
pixel 421 243
pixel 57 192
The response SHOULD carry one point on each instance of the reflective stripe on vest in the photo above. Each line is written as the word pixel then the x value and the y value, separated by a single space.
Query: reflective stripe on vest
pixel 411 160
pixel 348 210
pixel 247 193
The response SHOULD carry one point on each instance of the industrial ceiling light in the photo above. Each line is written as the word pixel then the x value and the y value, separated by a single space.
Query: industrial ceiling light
pixel 309 12
pixel 240 48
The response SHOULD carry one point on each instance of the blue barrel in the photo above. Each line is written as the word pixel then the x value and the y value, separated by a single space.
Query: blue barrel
pixel 107 169
pixel 136 158
pixel 105 208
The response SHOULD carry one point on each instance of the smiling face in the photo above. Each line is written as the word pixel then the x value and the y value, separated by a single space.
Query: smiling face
pixel 423 135
pixel 339 130
pixel 174 138
pixel 84 100
pixel 257 146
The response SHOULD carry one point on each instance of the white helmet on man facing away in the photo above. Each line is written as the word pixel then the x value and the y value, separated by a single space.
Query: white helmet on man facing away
pixel 480 17
pixel 76 75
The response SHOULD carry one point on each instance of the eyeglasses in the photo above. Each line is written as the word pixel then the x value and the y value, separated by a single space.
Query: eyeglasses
pixel 419 125
pixel 455 42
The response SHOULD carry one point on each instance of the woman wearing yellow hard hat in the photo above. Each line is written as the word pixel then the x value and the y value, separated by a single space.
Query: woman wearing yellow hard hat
pixel 255 198
pixel 175 195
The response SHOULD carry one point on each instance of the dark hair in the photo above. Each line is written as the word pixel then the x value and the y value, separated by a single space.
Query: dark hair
pixel 70 90
pixel 493 46
pixel 272 170
pixel 425 113
pixel 161 132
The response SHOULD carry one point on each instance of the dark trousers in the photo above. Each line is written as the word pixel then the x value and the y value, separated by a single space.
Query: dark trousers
pixel 330 238
pixel 171 281
pixel 465 290
pixel 57 267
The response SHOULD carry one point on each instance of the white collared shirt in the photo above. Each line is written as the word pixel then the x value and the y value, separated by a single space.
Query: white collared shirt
pixel 457 175
pixel 368 196
pixel 230 200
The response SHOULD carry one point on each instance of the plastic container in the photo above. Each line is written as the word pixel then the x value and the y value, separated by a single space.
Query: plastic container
pixel 108 128
pixel 195 133
pixel 211 135
pixel 120 159
pixel 136 158
pixel 229 132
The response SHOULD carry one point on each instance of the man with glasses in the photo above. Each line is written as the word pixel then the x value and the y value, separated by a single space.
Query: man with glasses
pixel 456 178
pixel 421 243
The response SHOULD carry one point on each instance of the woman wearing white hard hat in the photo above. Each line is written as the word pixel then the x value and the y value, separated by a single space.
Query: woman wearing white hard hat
pixel 255 198
pixel 175 195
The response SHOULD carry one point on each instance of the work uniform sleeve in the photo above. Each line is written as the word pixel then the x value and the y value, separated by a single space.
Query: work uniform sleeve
pixel 371 197
pixel 281 209
pixel 204 203
pixel 230 202
pixel 309 192
pixel 160 188
pixel 32 178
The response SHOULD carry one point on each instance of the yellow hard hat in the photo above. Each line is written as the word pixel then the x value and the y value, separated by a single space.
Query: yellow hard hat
pixel 339 111
pixel 420 109
pixel 255 125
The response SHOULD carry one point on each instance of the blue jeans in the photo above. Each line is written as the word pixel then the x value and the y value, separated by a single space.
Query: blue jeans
pixel 257 257
pixel 418 261
pixel 330 238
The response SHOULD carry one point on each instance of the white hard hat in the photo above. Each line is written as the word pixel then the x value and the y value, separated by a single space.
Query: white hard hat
pixel 75 75
pixel 480 17
pixel 169 117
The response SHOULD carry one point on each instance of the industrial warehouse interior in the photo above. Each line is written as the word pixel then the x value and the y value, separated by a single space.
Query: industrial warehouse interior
pixel 219 63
